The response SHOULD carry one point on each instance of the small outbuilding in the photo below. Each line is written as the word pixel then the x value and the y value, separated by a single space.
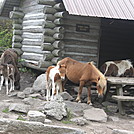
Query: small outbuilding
pixel 45 31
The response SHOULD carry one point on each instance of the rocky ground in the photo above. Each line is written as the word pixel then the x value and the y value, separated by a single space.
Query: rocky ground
pixel 100 118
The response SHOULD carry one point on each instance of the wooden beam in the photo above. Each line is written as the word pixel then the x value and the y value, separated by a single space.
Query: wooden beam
pixel 46 2
pixel 44 64
pixel 47 47
pixel 58 44
pixel 15 15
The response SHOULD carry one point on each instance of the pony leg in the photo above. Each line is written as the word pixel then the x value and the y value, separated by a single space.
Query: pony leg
pixel 6 83
pixel 1 83
pixel 89 96
pixel 78 99
pixel 48 95
pixel 11 84
pixel 53 90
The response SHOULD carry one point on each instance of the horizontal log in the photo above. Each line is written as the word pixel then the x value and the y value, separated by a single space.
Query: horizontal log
pixel 16 45
pixel 58 36
pixel 61 14
pixel 16 14
pixel 34 16
pixel 33 35
pixel 44 64
pixel 48 57
pixel 46 2
pixel 33 66
pixel 38 22
pixel 59 29
pixel 47 47
pixel 58 21
pixel 49 39
pixel 34 42
pixel 17 26
pixel 49 10
pixel 16 38
pixel 49 31
pixel 32 62
pixel 32 56
pixel 49 17
pixel 33 29
pixel 17 21
pixel 56 59
pixel 18 51
pixel 34 8
pixel 49 24
pixel 58 52
pixel 58 44
pixel 59 6
pixel 17 32
pixel 17 9
pixel 34 49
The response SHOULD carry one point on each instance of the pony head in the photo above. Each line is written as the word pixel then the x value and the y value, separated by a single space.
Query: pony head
pixel 101 86
pixel 62 71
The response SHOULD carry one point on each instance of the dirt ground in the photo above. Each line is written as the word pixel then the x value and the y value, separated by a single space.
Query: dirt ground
pixel 115 121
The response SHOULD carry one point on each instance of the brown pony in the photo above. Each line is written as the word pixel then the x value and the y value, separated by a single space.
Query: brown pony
pixel 9 56
pixel 84 74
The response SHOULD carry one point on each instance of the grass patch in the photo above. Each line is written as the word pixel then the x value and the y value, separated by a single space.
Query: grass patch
pixel 67 119
pixel 21 118
pixel 6 110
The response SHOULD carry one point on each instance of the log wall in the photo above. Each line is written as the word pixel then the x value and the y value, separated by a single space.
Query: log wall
pixel 44 33
pixel 37 37
pixel 79 45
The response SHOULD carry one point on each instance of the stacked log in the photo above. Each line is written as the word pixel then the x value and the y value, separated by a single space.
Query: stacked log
pixel 39 33
pixel 17 16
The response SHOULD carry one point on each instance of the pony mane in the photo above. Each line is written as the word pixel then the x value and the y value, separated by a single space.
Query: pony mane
pixel 102 81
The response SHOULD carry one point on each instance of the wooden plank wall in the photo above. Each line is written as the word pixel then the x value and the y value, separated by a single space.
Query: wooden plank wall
pixel 117 40
pixel 81 46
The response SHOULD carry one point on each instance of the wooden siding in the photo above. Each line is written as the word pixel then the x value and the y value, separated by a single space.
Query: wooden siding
pixel 81 46
pixel 8 6
pixel 117 40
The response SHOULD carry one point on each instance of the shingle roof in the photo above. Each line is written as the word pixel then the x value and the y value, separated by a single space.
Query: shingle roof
pixel 118 9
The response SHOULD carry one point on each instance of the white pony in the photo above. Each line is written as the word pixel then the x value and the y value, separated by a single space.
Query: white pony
pixel 55 76
pixel 7 72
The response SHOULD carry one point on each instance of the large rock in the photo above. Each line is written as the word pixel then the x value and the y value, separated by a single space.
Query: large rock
pixel 17 107
pixel 40 83
pixel 119 131
pixel 56 108
pixel 95 114
pixel 36 116
pixel 35 103
pixel 25 127
pixel 77 108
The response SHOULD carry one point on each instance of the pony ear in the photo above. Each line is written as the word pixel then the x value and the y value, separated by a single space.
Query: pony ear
pixel 62 65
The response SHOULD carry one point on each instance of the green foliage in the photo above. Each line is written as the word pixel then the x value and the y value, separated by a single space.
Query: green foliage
pixel 5 34
pixel 67 119
pixel 21 118
pixel 6 110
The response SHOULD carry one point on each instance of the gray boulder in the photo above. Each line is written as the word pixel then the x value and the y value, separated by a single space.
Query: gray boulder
pixel 40 83
pixel 36 116
pixel 56 108
pixel 27 127
pixel 119 131
pixel 95 114
pixel 17 107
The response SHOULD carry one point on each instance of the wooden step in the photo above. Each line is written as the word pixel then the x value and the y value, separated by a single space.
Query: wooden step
pixel 123 98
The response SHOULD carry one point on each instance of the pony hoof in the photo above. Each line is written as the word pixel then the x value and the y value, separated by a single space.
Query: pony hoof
pixel 79 101
pixel 89 103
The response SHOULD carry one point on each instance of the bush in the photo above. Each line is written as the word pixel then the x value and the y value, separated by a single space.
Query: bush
pixel 5 34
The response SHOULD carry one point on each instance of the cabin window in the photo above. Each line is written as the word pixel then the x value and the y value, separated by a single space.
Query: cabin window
pixel 82 28
pixel 2 2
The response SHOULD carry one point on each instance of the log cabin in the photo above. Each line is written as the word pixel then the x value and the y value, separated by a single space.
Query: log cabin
pixel 45 31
